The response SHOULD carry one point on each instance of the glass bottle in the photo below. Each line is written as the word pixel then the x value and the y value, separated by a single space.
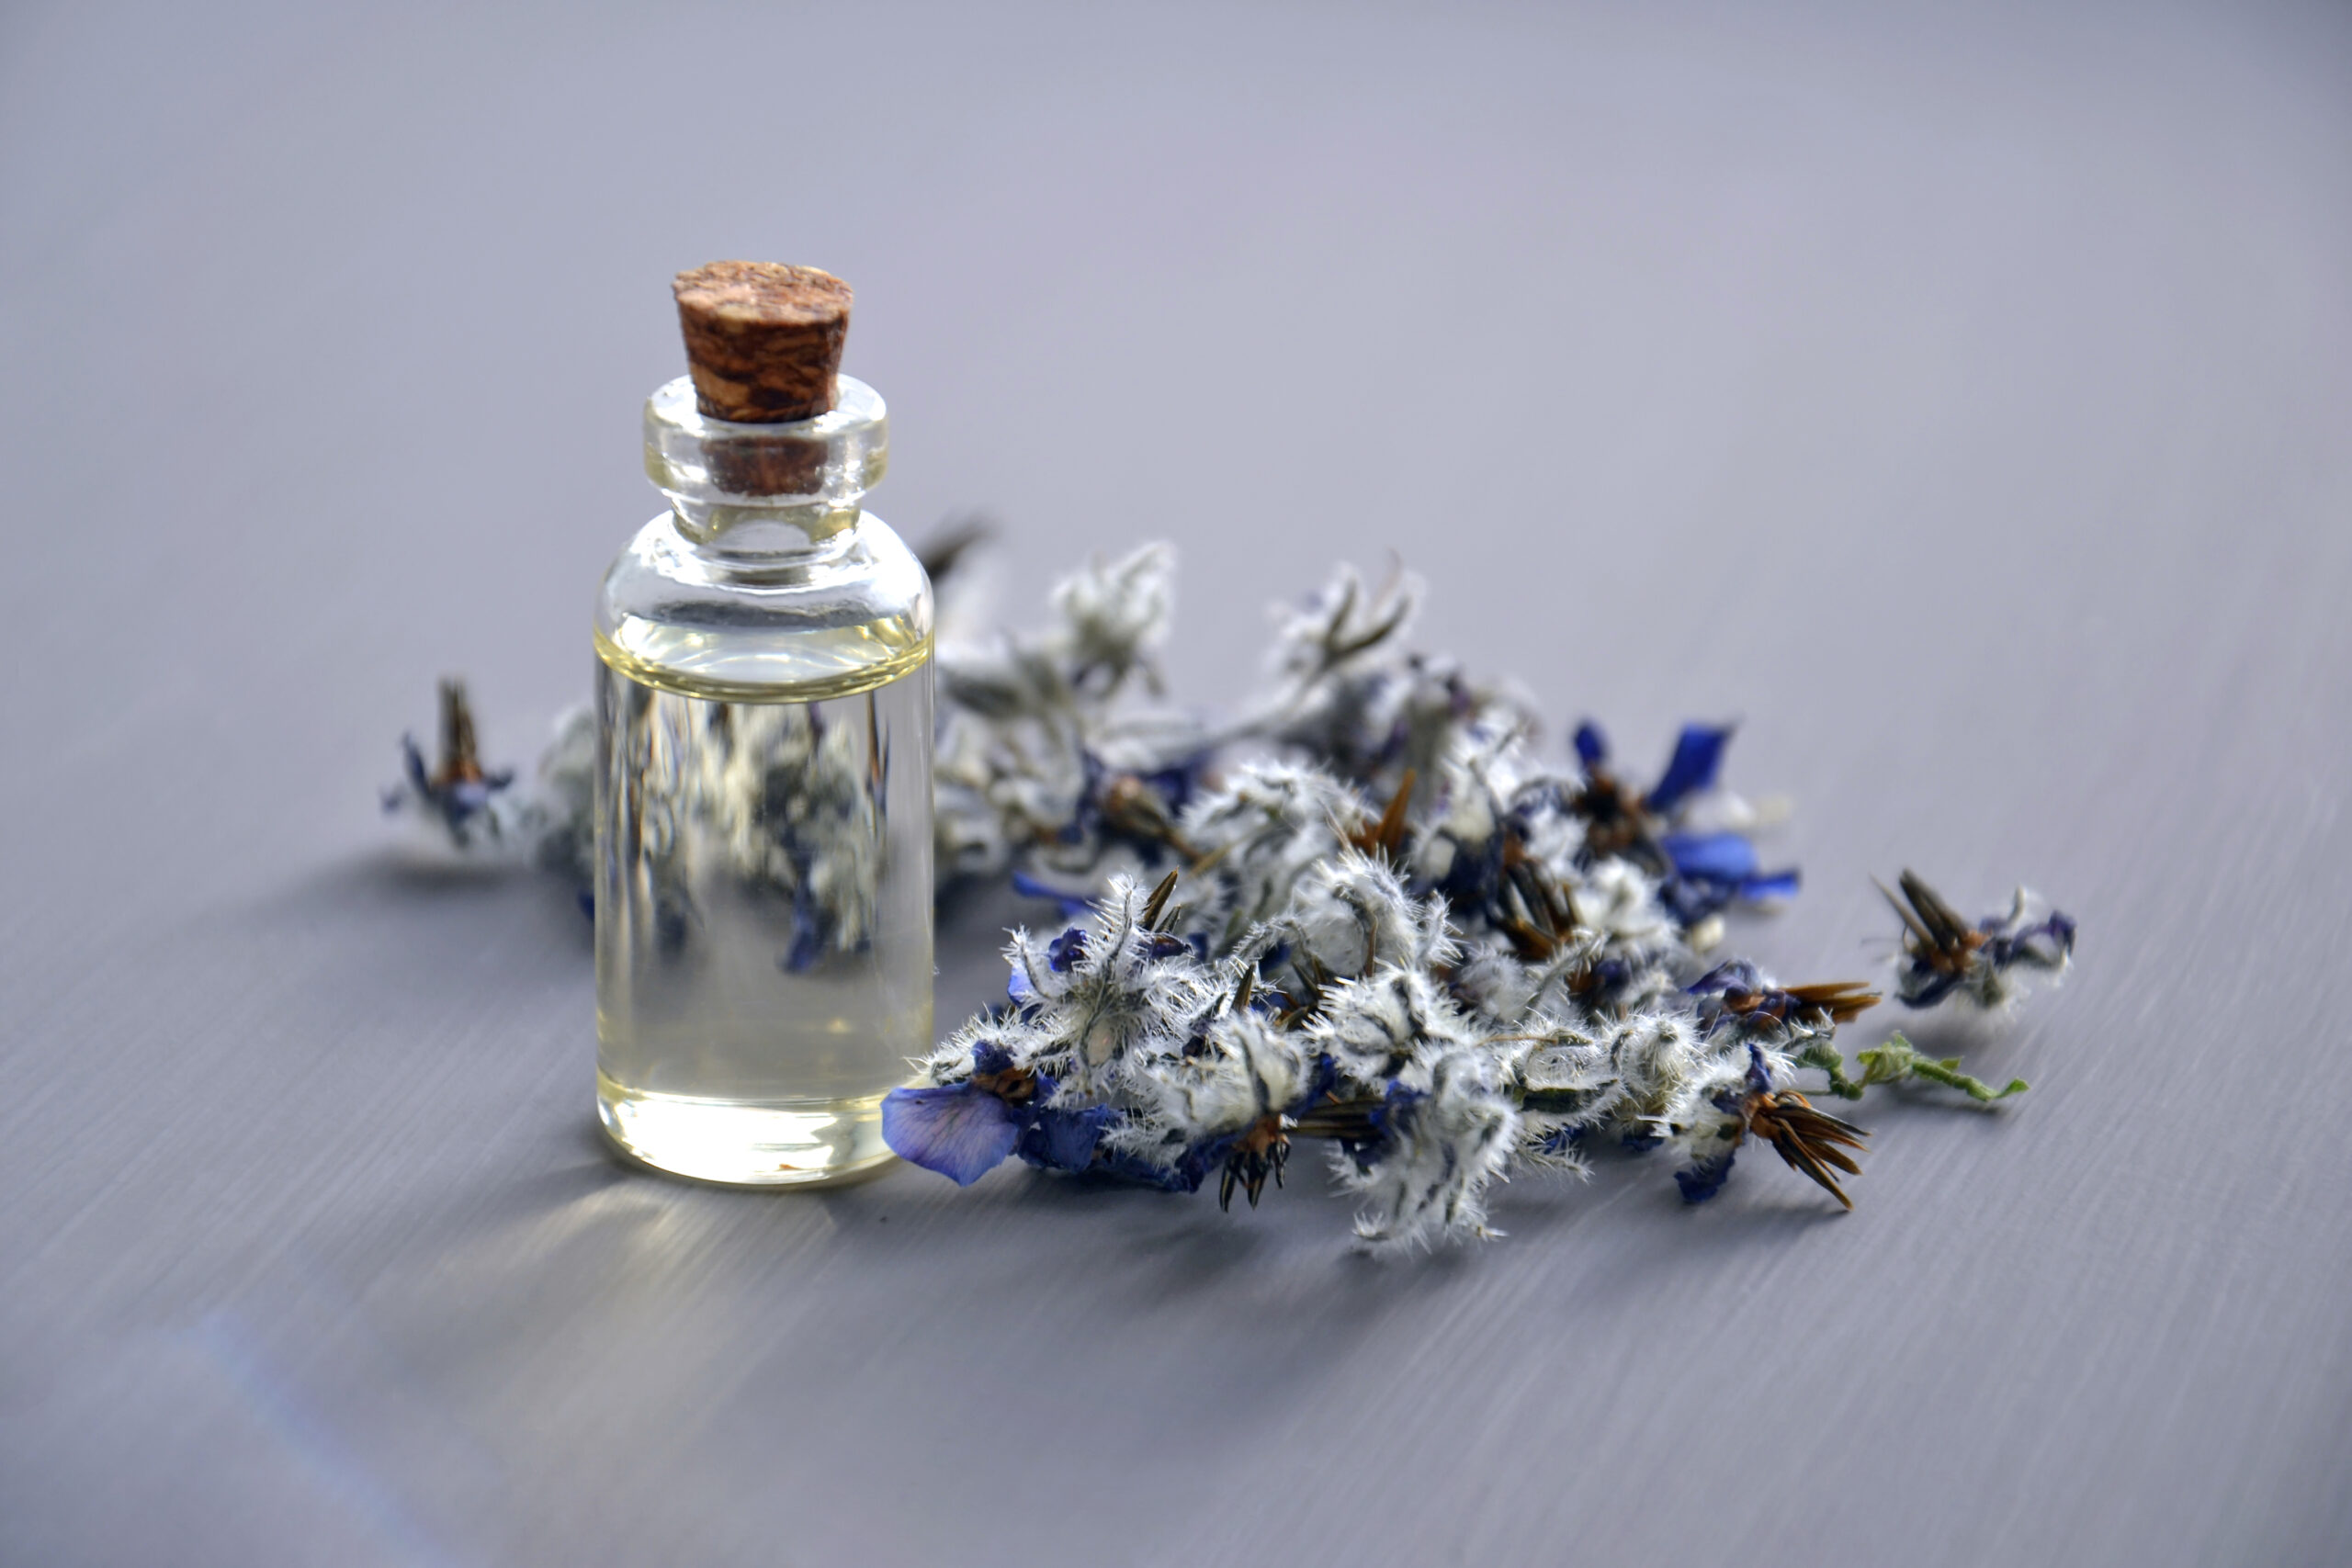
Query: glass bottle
pixel 764 883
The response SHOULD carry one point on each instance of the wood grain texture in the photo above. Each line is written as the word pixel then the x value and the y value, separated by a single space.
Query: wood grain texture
pixel 1959 397
pixel 763 339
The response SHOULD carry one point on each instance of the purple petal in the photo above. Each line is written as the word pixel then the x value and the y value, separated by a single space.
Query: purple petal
pixel 1738 974
pixel 1711 857
pixel 962 1132
pixel 1778 885
pixel 1705 1177
pixel 1065 1140
pixel 420 777
pixel 1028 887
pixel 1698 755
pixel 1066 949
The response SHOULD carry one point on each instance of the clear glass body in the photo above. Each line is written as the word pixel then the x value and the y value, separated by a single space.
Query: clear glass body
pixel 763 887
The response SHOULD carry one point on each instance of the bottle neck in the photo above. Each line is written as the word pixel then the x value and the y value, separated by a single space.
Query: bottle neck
pixel 766 542
pixel 767 499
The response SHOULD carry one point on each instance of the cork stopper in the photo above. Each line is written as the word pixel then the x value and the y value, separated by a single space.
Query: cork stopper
pixel 763 340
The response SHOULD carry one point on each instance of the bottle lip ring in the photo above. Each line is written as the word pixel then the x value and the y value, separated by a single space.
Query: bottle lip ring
pixel 855 407
pixel 829 461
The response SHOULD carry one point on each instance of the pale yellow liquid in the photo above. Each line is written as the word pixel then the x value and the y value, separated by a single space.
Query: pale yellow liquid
pixel 763 918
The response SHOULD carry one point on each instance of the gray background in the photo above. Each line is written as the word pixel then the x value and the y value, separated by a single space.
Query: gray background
pixel 1960 396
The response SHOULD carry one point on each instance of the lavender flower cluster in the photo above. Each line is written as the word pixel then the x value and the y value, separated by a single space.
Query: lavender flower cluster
pixel 1391 926
pixel 1365 911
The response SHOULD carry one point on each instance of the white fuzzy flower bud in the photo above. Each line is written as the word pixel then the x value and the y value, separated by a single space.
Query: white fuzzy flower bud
pixel 1450 1130
pixel 1350 914
pixel 1371 1028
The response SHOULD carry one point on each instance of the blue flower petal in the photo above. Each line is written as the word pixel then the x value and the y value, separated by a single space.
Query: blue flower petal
pixel 808 933
pixel 420 777
pixel 962 1132
pixel 2059 928
pixel 1066 949
pixel 1705 1177
pixel 1176 785
pixel 1924 985
pixel 1593 746
pixel 1711 857
pixel 1320 1082
pixel 1562 1139
pixel 2046 942
pixel 1777 885
pixel 1698 755
pixel 1738 974
pixel 1065 1140
pixel 1185 1176
pixel 1073 904
pixel 1474 875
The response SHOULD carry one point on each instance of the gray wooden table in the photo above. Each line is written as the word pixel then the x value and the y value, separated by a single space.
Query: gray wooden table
pixel 1962 399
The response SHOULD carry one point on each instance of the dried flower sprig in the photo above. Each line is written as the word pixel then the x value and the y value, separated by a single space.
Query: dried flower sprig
pixel 1806 1140
pixel 1984 963
pixel 1440 999
pixel 1173 1055
pixel 477 810
pixel 1403 933
pixel 470 803
pixel 1368 912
